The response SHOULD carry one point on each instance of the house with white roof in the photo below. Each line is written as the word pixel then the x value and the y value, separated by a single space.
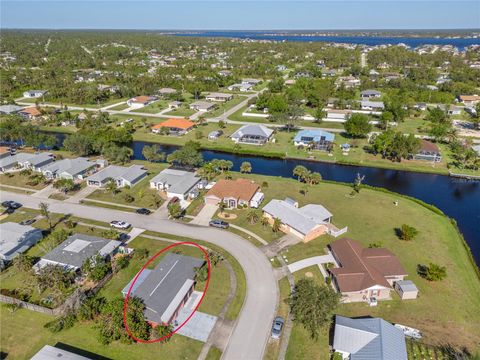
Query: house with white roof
pixel 176 183
pixel 15 239
pixel 34 93
pixel 121 175
pixel 252 134
pixel 372 105
pixel 220 97
pixel 368 339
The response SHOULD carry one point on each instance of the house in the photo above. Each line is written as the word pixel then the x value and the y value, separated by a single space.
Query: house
pixel 174 126
pixel 174 104
pixel 30 113
pixel 307 222
pixel 454 110
pixel 421 106
pixel 240 87
pixel 338 114
pixel 364 273
pixel 406 289
pixel 140 101
pixel 215 134
pixel 225 73
pixel 16 239
pixel 252 134
pixel 368 339
pixel 53 353
pixel 166 288
pixel 34 161
pixel 233 193
pixel 252 82
pixel 220 97
pixel 9 109
pixel 69 169
pixel 121 175
pixel 179 183
pixel 370 94
pixel 428 151
pixel 314 139
pixel 329 72
pixel 202 106
pixel 372 105
pixel 34 93
pixel 281 67
pixel 76 250
pixel 469 100
pixel 349 82
pixel 166 91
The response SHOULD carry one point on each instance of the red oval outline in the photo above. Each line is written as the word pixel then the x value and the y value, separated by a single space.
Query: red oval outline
pixel 125 302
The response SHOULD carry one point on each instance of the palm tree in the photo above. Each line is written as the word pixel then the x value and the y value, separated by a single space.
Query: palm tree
pixel 112 186
pixel 246 167
pixel 46 213
pixel 253 216
pixel 314 178
pixel 264 221
pixel 222 206
pixel 407 232
pixel 277 223
pixel 300 171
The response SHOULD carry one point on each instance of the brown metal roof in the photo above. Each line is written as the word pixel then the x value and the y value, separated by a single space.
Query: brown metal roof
pixel 428 146
pixel 363 268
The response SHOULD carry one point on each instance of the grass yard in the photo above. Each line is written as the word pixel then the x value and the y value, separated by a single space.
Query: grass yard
pixel 181 111
pixel 120 107
pixel 225 106
pixel 372 217
pixel 311 272
pixel 18 180
pixel 152 108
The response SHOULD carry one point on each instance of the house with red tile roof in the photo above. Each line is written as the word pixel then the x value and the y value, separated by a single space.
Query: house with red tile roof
pixel 364 274
pixel 233 193
pixel 30 113
pixel 174 126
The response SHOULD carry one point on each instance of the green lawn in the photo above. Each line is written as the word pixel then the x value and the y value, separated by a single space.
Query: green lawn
pixel 371 217
pixel 182 111
pixel 153 108
pixel 222 107
pixel 120 107
pixel 16 179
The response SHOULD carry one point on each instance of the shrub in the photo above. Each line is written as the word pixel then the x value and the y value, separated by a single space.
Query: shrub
pixel 432 272
pixel 61 323
pixel 407 232
pixel 128 198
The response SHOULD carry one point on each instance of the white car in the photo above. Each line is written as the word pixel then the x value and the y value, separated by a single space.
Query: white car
pixel 120 224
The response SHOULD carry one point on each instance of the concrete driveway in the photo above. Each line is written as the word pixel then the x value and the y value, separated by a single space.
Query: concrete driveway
pixel 252 327
pixel 82 194
pixel 45 192
pixel 205 215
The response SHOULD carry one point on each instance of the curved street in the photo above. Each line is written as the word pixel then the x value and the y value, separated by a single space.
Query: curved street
pixel 252 327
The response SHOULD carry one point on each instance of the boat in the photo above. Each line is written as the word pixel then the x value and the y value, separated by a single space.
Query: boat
pixel 409 331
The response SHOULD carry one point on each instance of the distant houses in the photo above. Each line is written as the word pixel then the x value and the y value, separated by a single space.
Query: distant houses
pixel 174 126
pixel 234 193
pixel 15 239
pixel 166 288
pixel 121 175
pixel 314 139
pixel 74 169
pixel 372 105
pixel 201 105
pixel 30 113
pixel 220 97
pixel 370 94
pixel 252 134
pixel 469 100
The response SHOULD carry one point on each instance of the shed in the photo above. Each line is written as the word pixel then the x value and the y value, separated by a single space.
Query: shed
pixel 406 289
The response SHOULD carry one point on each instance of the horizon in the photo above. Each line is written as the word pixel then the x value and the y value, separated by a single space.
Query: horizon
pixel 248 30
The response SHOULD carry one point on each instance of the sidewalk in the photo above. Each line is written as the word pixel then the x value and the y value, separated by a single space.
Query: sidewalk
pixel 252 234
pixel 83 193
pixel 45 192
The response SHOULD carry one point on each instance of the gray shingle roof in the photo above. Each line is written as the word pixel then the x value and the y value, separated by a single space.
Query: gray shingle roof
pixel 71 166
pixel 118 172
pixel 22 157
pixel 179 181
pixel 74 251
pixel 369 339
pixel 252 130
pixel 160 286
pixel 9 109
pixel 302 219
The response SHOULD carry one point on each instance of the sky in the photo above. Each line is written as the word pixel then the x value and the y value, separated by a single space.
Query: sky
pixel 240 15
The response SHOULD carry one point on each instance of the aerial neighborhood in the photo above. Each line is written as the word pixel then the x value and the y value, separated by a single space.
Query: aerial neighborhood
pixel 238 197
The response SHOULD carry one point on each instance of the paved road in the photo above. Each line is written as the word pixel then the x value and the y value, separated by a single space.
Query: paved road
pixel 252 328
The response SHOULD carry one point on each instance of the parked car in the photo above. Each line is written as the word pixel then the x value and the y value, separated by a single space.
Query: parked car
pixel 27 222
pixel 9 211
pixel 143 211
pixel 173 200
pixel 277 327
pixel 11 204
pixel 219 224
pixel 120 224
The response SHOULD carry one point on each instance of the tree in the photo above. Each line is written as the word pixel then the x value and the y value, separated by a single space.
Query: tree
pixel 385 119
pixel 432 272
pixel 160 331
pixel 117 154
pixel 222 206
pixel 152 153
pixel 319 115
pixel 79 144
pixel 276 225
pixel 112 186
pixel 189 155
pixel 246 167
pixel 201 273
pixel 264 221
pixel 66 185
pixel 357 183
pixel 96 268
pixel 300 172
pixel 313 305
pixel 175 210
pixel 407 232
pixel 276 85
pixel 91 308
pixel 46 214
pixel 253 216
pixel 23 263
pixel 313 178
pixel 358 125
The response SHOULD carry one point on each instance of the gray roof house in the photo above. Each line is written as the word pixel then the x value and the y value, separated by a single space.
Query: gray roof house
pixel 368 339
pixel 252 134
pixel 166 288
pixel 179 183
pixel 201 105
pixel 68 168
pixel 307 222
pixel 369 94
pixel 10 109
pixel 78 248
pixel 26 160
pixel 34 93
pixel 16 239
pixel 53 353
pixel 122 175
pixel 372 105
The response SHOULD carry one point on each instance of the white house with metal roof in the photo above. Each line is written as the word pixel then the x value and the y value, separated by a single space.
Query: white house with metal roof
pixel 368 339
pixel 34 93
pixel 252 134
pixel 53 353
pixel 179 183
pixel 121 175
pixel 16 239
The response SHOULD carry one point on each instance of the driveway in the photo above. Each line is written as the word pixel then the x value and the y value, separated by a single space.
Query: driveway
pixel 315 260
pixel 252 327
pixel 205 215
pixel 45 192
pixel 82 194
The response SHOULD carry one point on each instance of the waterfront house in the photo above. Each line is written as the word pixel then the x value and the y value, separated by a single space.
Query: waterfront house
pixel 76 250
pixel 220 97
pixel 364 274
pixel 74 169
pixel 202 106
pixel 314 139
pixel 174 126
pixel 307 222
pixel 121 175
pixel 140 101
pixel 370 94
pixel 252 134
pixel 368 338
pixel 176 183
pixel 215 134
pixel 233 193
pixel 428 151
pixel 15 239
pixel 34 93
pixel 30 113
pixel 166 288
